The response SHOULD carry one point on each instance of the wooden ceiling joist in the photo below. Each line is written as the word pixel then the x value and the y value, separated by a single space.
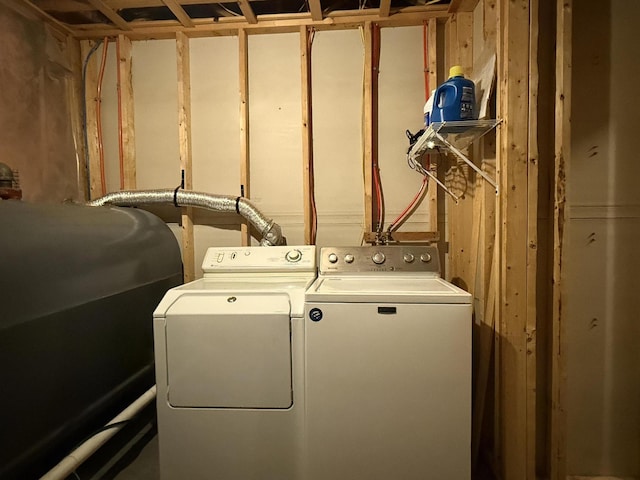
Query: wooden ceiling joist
pixel 282 23
pixel 82 6
pixel 462 5
pixel 385 8
pixel 316 10
pixel 111 14
pixel 247 11
pixel 179 12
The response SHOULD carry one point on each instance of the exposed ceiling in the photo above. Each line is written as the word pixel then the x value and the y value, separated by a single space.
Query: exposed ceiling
pixel 161 18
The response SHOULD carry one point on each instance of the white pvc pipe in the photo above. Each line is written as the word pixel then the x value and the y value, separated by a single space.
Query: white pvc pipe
pixel 72 461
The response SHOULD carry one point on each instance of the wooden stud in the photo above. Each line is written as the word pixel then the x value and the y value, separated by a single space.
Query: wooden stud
pixel 532 242
pixel 245 157
pixel 432 62
pixel 184 135
pixel 126 106
pixel 179 12
pixel 385 8
pixel 247 11
pixel 76 105
pixel 315 8
pixel 562 162
pixel 307 133
pixel 110 13
pixel 486 342
pixel 244 128
pixel 368 128
pixel 515 430
pixel 91 84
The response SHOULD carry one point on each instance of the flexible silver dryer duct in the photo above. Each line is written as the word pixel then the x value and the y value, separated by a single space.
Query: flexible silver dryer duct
pixel 270 231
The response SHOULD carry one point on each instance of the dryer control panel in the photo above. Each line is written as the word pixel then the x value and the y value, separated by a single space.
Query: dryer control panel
pixel 260 259
pixel 386 259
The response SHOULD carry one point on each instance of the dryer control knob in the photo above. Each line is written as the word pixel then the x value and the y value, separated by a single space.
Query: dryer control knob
pixel 293 255
pixel 378 258
pixel 425 257
pixel 408 257
pixel 349 258
pixel 333 258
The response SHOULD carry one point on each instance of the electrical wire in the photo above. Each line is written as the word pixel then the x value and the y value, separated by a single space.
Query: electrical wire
pixel 103 63
pixel 84 115
pixel 235 14
pixel 375 66
pixel 312 192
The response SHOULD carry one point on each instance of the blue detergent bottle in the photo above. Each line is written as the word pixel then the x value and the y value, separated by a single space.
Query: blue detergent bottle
pixel 455 99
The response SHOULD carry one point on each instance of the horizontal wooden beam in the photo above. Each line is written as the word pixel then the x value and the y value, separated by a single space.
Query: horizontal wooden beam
pixel 283 23
pixel 82 6
pixel 179 12
pixel 370 237
pixel 110 13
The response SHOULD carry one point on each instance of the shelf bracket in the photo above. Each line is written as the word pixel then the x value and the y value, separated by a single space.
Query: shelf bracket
pixel 463 157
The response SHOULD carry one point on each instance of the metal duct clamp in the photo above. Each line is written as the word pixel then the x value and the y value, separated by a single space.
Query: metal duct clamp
pixel 272 235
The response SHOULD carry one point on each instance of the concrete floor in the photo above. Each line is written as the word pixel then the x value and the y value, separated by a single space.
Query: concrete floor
pixel 145 466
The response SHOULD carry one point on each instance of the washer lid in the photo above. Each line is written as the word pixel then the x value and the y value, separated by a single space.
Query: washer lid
pixel 386 289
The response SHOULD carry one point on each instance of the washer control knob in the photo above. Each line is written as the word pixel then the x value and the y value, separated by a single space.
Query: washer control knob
pixel 408 257
pixel 349 258
pixel 378 258
pixel 333 258
pixel 425 257
pixel 293 255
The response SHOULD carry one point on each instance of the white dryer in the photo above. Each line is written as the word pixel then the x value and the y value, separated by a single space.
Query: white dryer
pixel 229 366
pixel 388 368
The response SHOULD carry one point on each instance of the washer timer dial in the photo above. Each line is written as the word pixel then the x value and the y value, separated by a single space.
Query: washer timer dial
pixel 378 258
pixel 293 256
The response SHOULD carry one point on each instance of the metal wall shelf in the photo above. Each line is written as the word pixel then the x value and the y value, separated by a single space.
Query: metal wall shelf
pixel 454 137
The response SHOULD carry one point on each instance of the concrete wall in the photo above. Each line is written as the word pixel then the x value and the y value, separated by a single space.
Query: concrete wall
pixel 35 132
pixel 275 127
pixel 602 259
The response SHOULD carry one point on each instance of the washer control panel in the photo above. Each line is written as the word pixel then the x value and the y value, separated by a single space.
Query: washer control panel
pixel 260 259
pixel 386 258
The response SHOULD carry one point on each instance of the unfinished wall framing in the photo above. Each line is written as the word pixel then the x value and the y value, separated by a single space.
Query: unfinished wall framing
pixel 493 245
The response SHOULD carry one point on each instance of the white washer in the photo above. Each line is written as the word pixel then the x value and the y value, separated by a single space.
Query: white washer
pixel 229 366
pixel 388 368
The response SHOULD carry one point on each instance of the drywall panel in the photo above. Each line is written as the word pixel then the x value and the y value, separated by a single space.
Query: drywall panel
pixel 35 123
pixel 215 115
pixel 207 236
pixel 401 106
pixel 275 114
pixel 602 260
pixel 603 332
pixel 337 67
pixel 155 92
pixel 606 114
